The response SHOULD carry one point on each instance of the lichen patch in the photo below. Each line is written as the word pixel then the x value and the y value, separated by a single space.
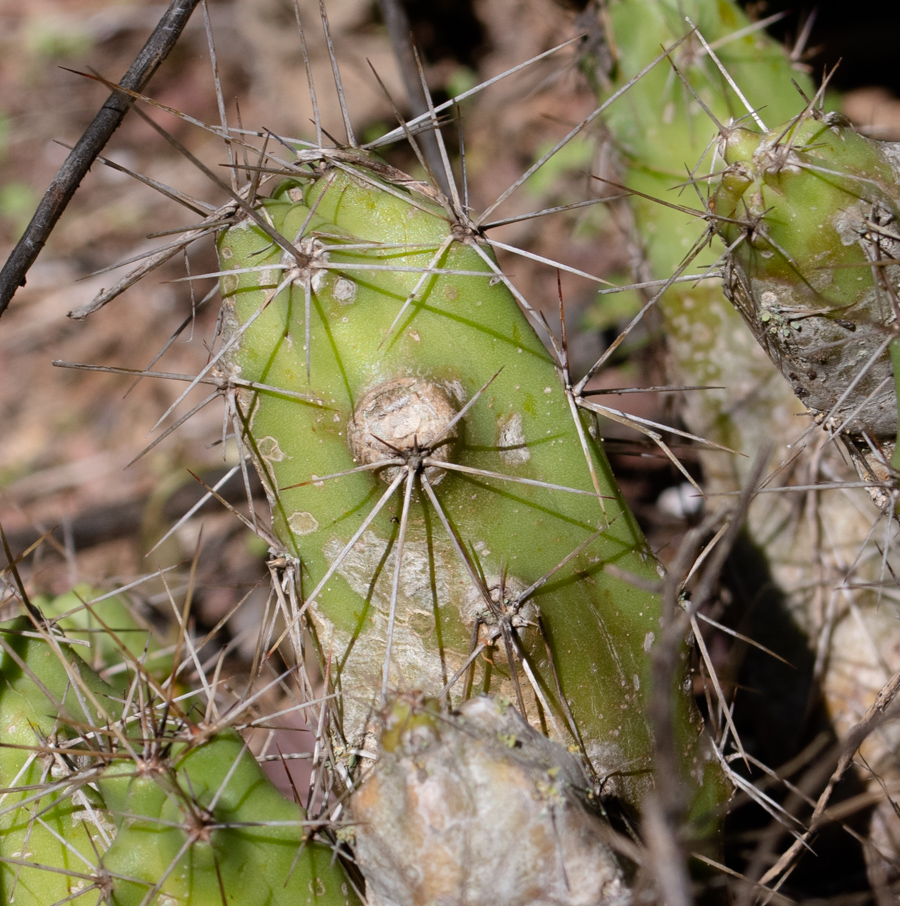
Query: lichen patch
pixel 303 523
pixel 511 439
pixel 344 291
pixel 269 449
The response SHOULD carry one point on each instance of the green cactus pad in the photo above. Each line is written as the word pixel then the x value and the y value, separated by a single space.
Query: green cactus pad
pixel 91 811
pixel 209 820
pixel 411 327
pixel 51 820
pixel 109 627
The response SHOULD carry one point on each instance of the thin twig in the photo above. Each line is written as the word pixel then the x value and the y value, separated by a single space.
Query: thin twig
pixel 397 24
pixel 89 146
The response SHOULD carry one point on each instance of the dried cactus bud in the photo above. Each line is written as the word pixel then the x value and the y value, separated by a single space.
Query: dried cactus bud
pixel 478 807
pixel 403 417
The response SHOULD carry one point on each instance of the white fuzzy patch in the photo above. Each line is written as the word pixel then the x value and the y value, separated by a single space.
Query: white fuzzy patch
pixel 269 449
pixel 511 439
pixel 344 291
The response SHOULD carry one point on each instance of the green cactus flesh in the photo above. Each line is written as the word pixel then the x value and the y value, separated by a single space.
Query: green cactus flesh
pixel 410 324
pixel 807 209
pixel 93 810
pixel 108 629
pixel 212 821
pixel 665 124
pixel 49 827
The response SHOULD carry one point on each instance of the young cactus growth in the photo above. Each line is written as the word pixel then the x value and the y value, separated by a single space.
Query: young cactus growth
pixel 105 800
pixel 455 522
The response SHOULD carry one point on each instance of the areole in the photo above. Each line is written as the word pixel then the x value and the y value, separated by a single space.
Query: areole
pixel 406 417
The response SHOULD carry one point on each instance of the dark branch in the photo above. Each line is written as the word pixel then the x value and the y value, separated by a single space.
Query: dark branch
pixel 89 146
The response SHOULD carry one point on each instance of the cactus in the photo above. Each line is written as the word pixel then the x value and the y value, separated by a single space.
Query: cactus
pixel 487 754
pixel 434 487
pixel 446 538
pixel 113 794
pixel 815 293
pixel 444 521
pixel 793 208
pixel 107 628
pixel 660 156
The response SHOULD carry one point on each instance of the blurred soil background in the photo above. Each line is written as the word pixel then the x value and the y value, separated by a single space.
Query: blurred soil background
pixel 69 436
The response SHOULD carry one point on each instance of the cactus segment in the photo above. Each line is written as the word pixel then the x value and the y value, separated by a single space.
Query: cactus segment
pixel 92 810
pixel 664 126
pixel 448 786
pixel 513 543
pixel 109 628
pixel 810 210
pixel 665 129
pixel 210 821
pixel 51 823
pixel 826 183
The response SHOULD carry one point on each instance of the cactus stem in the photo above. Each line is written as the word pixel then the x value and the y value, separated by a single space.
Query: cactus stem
pixel 406 402
pixel 432 268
